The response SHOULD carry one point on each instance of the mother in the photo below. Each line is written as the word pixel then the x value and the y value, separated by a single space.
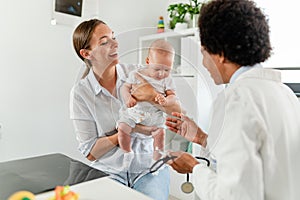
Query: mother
pixel 95 102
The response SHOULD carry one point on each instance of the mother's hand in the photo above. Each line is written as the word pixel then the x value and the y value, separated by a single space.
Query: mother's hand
pixel 184 126
pixel 143 91
pixel 146 130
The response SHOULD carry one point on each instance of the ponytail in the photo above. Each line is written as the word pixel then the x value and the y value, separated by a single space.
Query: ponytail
pixel 88 65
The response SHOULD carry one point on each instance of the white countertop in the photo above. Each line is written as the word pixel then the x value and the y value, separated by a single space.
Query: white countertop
pixel 102 188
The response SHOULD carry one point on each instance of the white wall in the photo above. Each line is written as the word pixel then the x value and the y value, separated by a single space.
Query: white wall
pixel 131 19
pixel 37 71
pixel 38 68
pixel 283 17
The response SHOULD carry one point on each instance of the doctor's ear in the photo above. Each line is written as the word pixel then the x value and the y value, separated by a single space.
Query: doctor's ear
pixel 221 58
pixel 85 53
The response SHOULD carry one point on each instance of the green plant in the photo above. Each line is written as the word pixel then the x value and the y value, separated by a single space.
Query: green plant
pixel 177 14
pixel 194 8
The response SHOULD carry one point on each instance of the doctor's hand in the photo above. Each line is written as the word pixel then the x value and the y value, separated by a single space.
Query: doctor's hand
pixel 184 163
pixel 143 91
pixel 184 126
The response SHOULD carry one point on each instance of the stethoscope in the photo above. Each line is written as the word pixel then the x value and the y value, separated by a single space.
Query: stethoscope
pixel 187 187
pixel 156 166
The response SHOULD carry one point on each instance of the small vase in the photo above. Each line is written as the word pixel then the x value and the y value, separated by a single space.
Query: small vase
pixel 180 26
pixel 193 23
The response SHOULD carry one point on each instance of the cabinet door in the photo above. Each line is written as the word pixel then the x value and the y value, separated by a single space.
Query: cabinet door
pixel 204 88
pixel 185 91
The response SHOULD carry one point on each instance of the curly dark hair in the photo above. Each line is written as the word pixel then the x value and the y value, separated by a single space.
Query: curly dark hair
pixel 236 29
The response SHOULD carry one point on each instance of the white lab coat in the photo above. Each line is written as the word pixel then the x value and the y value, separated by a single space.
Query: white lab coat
pixel 255 138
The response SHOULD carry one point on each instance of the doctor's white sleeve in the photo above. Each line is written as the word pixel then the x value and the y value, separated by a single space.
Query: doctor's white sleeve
pixel 239 172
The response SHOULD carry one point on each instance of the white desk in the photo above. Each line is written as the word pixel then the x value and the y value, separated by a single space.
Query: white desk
pixel 102 188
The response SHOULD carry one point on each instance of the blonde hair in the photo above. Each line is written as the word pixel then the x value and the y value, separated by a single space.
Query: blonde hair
pixel 161 46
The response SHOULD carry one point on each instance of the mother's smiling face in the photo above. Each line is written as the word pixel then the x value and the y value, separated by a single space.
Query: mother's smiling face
pixel 103 47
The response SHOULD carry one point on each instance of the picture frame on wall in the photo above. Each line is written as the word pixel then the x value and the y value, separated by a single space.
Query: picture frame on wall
pixel 72 12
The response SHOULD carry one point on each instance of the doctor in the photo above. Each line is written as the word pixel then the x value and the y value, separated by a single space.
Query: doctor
pixel 255 130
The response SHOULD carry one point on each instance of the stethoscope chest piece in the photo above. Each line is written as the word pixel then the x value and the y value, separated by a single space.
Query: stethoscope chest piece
pixel 187 187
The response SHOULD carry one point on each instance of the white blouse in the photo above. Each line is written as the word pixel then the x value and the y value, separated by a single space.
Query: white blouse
pixel 94 112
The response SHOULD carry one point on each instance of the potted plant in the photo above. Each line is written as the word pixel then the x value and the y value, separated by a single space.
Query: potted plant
pixel 193 8
pixel 177 14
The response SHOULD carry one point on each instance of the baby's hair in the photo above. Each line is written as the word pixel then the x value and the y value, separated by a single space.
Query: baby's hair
pixel 161 46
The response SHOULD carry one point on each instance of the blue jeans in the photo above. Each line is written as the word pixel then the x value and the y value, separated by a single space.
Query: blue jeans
pixel 155 186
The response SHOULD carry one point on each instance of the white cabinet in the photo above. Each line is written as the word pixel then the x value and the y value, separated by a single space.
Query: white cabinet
pixel 194 87
pixel 187 93
pixel 173 37
pixel 205 90
pixel 185 77
pixel 184 71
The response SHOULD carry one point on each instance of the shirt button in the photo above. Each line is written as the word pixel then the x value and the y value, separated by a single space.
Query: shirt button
pixel 97 88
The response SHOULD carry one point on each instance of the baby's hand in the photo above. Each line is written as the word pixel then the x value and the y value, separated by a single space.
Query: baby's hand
pixel 130 102
pixel 161 99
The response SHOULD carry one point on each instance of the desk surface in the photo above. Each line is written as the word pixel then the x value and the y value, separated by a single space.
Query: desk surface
pixel 102 188
pixel 43 173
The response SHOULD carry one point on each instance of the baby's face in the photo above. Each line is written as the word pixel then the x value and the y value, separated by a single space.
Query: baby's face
pixel 159 72
pixel 160 65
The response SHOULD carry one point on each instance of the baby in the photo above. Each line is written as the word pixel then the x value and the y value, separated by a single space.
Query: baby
pixel 157 73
